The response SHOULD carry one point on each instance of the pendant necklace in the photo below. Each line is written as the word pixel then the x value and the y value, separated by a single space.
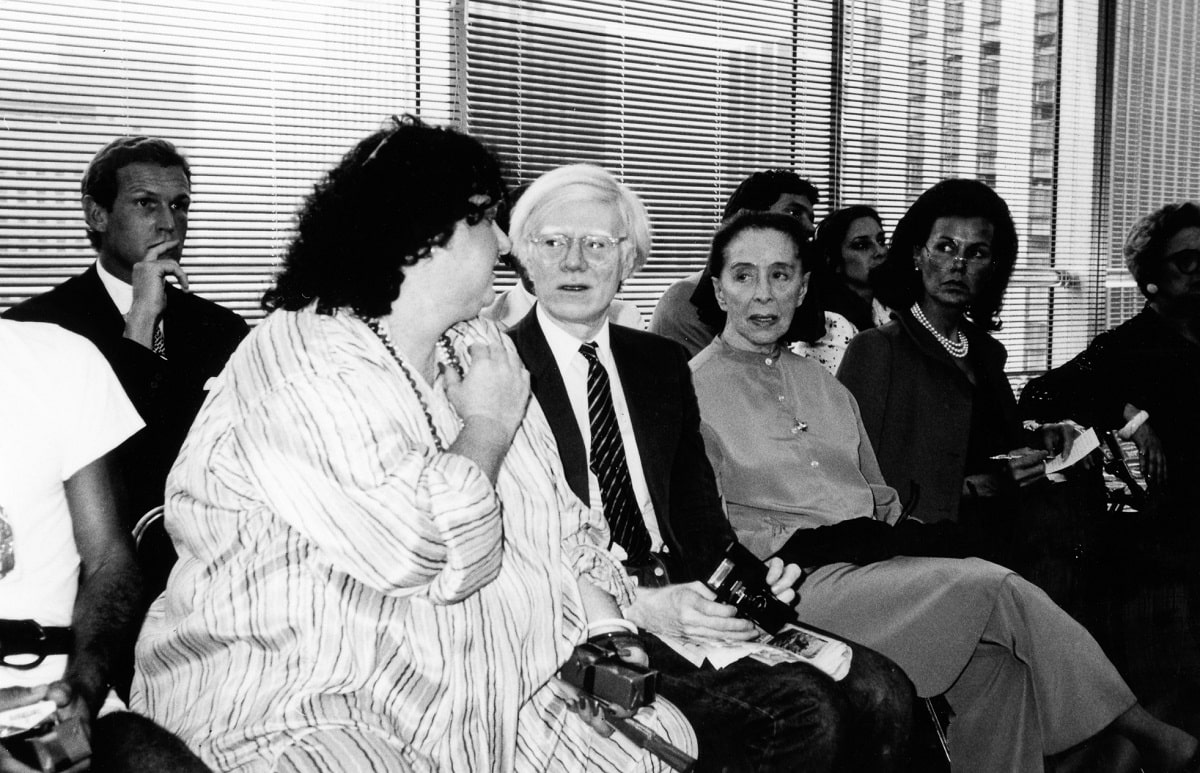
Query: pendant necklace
pixel 957 348
pixel 447 352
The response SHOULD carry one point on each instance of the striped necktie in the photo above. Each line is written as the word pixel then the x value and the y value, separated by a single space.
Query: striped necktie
pixel 610 466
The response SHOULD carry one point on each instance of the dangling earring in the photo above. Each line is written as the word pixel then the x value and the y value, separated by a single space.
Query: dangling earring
pixel 916 266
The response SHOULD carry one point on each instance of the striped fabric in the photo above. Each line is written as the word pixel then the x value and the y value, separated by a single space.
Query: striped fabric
pixel 347 598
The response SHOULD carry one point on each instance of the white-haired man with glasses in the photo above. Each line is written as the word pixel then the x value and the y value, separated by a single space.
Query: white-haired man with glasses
pixel 624 414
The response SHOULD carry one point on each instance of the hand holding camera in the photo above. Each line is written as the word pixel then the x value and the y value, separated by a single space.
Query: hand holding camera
pixel 740 579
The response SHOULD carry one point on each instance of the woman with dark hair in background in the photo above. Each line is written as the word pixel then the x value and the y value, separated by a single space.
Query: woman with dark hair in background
pixel 852 242
pixel 381 566
pixel 931 386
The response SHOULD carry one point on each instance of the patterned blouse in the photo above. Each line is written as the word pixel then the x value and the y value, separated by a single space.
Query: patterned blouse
pixel 336 571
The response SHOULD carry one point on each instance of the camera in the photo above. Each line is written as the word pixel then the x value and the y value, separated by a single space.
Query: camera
pixel 602 674
pixel 34 737
pixel 740 579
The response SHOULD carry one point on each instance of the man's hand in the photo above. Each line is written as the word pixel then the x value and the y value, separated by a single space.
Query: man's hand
pixel 783 578
pixel 688 610
pixel 149 281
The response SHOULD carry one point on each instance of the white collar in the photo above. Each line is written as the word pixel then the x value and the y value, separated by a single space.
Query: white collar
pixel 120 292
pixel 563 345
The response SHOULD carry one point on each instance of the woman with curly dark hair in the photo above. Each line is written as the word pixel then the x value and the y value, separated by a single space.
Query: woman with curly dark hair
pixel 381 566
pixel 931 385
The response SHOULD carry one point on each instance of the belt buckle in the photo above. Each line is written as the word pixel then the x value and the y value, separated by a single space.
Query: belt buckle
pixel 22 637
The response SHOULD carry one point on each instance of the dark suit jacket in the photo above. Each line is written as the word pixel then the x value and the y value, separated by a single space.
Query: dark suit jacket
pixel 666 421
pixel 916 406
pixel 200 336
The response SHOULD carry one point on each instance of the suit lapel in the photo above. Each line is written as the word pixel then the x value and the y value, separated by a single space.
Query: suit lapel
pixel 96 305
pixel 639 379
pixel 547 386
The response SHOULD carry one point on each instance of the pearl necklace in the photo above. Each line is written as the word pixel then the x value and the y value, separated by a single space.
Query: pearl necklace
pixel 447 352
pixel 957 349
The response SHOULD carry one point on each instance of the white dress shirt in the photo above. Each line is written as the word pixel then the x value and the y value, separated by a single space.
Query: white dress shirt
pixel 574 369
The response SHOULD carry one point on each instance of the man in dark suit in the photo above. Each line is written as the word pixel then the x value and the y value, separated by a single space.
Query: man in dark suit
pixel 162 342
pixel 579 233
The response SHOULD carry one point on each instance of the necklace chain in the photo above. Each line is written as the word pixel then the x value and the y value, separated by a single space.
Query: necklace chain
pixel 447 352
pixel 957 349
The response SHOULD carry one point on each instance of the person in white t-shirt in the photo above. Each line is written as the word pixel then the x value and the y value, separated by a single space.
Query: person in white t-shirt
pixel 70 590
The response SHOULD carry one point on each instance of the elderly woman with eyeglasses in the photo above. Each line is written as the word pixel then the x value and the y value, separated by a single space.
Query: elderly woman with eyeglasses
pixel 931 385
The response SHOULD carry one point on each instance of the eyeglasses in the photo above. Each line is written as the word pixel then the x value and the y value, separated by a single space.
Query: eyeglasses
pixel 946 252
pixel 1186 261
pixel 596 248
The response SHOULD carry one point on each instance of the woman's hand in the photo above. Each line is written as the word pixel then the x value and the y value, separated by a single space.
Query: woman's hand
pixel 688 610
pixel 1150 452
pixel 496 389
pixel 783 579
pixel 491 401
pixel 1026 466
pixel 1059 438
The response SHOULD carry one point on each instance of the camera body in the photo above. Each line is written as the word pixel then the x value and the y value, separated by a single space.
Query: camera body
pixel 740 579
pixel 601 673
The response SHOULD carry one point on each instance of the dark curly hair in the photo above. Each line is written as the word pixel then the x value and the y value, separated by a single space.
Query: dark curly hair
pixel 899 287
pixel 100 178
pixel 390 200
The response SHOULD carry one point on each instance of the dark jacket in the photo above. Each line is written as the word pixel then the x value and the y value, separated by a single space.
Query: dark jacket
pixel 917 407
pixel 200 336
pixel 666 421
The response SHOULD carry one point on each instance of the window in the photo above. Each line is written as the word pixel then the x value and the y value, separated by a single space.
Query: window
pixel 680 99
pixel 261 97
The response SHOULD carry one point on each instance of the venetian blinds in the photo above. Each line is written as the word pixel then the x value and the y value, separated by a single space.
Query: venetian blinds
pixel 262 97
pixel 681 99
pixel 1005 91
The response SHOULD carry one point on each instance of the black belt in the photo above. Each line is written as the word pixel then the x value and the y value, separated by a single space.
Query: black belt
pixel 28 637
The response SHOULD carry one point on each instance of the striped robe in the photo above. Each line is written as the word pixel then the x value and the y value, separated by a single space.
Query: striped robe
pixel 349 598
